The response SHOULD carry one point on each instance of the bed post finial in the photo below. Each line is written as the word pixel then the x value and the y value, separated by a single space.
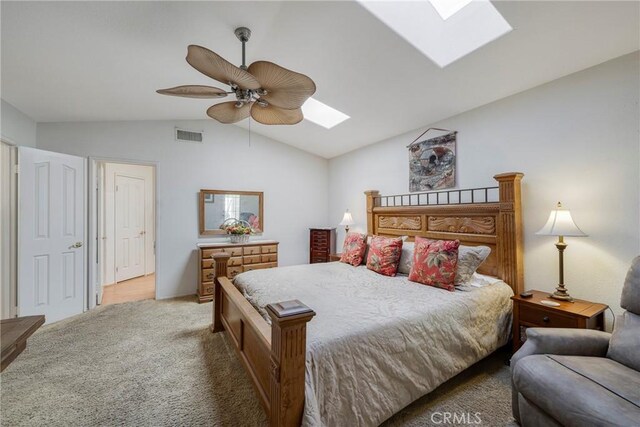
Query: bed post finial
pixel 372 202
pixel 220 268
pixel 288 357
pixel 509 233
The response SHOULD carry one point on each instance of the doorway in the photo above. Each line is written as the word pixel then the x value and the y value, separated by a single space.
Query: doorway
pixel 125 218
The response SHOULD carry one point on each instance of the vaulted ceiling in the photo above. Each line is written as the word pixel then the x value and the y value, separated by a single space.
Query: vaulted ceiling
pixel 103 61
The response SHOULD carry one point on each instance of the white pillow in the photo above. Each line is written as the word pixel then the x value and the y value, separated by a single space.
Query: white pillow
pixel 469 259
pixel 406 258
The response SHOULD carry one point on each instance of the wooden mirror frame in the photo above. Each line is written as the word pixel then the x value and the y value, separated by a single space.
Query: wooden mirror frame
pixel 204 193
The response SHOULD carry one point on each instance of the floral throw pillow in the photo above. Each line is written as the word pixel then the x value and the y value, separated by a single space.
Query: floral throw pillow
pixel 384 255
pixel 435 263
pixel 353 250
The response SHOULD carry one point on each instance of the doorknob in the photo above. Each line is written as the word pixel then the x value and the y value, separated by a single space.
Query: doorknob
pixel 76 245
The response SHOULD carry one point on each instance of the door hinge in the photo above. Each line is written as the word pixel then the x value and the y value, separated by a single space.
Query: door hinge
pixel 16 169
pixel 116 188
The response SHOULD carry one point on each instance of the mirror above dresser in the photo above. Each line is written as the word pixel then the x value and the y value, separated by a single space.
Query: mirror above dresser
pixel 220 207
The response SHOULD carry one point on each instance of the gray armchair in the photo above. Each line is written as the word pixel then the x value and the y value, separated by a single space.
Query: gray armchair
pixel 575 377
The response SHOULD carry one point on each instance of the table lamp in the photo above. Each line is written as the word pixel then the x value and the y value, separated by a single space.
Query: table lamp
pixel 561 224
pixel 347 220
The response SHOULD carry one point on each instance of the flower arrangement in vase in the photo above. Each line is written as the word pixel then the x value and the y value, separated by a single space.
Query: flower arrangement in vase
pixel 238 230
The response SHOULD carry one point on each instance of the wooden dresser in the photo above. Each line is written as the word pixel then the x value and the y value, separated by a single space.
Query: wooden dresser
pixel 254 255
pixel 322 243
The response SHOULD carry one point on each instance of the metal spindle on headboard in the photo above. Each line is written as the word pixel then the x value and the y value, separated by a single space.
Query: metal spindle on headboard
pixel 404 197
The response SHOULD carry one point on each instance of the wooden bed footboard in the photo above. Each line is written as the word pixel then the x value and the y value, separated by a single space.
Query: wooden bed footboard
pixel 273 356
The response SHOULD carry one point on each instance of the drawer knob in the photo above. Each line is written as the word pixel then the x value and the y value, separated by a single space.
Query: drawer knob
pixel 210 276
pixel 545 319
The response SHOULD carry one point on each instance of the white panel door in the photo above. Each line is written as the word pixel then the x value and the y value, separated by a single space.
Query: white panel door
pixel 130 232
pixel 51 234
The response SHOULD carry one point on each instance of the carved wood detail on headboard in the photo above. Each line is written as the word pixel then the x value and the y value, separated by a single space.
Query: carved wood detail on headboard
pixel 400 222
pixel 465 224
pixel 494 224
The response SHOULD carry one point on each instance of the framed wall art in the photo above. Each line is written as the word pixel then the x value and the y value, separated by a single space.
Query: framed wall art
pixel 432 163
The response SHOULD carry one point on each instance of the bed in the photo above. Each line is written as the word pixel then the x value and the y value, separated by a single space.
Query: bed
pixel 329 343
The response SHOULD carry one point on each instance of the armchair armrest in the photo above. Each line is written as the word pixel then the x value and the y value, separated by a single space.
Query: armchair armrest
pixel 561 341
pixel 566 341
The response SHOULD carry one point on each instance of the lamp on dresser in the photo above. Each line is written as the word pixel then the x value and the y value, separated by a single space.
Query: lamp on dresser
pixel 561 224
pixel 347 220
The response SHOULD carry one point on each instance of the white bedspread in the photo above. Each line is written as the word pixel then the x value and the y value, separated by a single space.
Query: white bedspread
pixel 378 343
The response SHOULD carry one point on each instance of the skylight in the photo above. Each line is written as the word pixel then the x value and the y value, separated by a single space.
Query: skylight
pixel 443 30
pixel 321 114
pixel 446 8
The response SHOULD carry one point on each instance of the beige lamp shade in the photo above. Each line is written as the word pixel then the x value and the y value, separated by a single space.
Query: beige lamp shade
pixel 347 219
pixel 560 223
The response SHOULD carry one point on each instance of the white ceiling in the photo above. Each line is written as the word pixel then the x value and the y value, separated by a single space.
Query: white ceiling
pixel 98 61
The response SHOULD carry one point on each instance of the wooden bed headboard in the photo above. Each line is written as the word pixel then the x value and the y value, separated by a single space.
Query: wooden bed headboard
pixel 489 216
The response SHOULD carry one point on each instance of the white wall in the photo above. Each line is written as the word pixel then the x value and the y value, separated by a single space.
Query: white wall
pixel 575 139
pixel 294 183
pixel 16 127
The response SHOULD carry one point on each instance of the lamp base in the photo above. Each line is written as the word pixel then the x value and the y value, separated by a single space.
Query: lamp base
pixel 561 294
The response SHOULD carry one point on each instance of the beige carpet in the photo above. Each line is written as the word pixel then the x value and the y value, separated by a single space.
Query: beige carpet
pixel 155 363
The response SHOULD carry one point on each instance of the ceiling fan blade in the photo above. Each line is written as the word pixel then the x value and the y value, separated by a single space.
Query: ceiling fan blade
pixel 285 88
pixel 227 112
pixel 271 115
pixel 194 91
pixel 213 65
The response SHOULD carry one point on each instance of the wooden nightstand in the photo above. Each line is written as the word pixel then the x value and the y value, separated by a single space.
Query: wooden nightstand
pixel 528 312
pixel 334 257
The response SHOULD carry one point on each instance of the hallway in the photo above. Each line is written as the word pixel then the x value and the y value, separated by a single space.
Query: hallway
pixel 140 288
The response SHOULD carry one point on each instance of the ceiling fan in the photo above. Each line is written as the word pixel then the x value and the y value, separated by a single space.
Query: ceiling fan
pixel 271 94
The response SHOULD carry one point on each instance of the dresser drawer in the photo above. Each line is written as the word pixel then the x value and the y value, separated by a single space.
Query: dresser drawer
pixel 260 266
pixel 207 288
pixel 269 258
pixel 233 272
pixel 207 253
pixel 252 259
pixel 233 261
pixel 269 249
pixel 208 274
pixel 538 317
pixel 251 250
pixel 209 263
